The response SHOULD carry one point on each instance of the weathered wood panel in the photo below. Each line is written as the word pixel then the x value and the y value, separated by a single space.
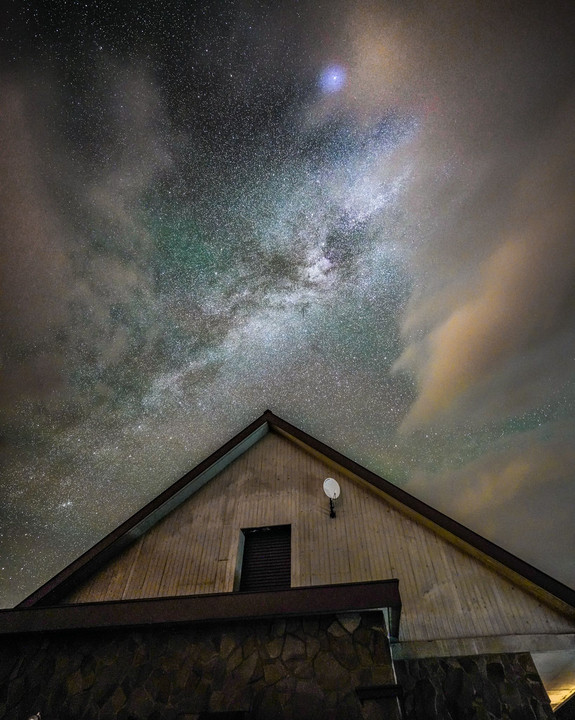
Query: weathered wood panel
pixel 446 593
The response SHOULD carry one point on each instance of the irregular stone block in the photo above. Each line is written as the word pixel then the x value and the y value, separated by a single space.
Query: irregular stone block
pixel 350 621
pixel 312 647
pixel 234 659
pixel 308 701
pixel 244 672
pixel 329 673
pixel 273 672
pixel 275 646
pixel 140 704
pixel 302 669
pixel 293 648
pixel 74 684
pixel 336 629
pixel 227 645
pixel 344 652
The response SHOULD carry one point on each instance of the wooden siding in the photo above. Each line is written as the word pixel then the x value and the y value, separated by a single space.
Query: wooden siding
pixel 446 593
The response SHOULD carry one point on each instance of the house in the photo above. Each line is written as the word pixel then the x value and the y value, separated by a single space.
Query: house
pixel 237 593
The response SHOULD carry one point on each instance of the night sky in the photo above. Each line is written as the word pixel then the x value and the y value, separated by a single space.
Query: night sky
pixel 358 215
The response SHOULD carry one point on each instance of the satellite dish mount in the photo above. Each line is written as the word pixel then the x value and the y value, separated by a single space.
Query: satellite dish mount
pixel 332 490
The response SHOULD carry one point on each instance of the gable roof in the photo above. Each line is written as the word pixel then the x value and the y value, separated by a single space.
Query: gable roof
pixel 504 562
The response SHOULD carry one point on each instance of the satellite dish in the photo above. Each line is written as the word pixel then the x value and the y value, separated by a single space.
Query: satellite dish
pixel 331 488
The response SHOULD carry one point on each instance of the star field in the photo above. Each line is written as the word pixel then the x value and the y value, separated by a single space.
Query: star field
pixel 359 216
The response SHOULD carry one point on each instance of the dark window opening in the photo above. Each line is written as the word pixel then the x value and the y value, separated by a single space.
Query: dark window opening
pixel 266 560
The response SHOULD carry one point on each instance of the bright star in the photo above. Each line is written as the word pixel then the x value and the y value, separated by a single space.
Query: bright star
pixel 332 79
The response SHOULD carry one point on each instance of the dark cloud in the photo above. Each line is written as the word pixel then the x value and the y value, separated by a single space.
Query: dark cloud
pixel 75 253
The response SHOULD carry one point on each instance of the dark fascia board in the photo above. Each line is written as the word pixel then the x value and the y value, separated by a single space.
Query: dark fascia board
pixel 470 538
pixel 221 607
pixel 67 579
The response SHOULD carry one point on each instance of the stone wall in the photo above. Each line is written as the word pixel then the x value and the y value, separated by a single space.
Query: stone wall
pixel 300 668
pixel 481 687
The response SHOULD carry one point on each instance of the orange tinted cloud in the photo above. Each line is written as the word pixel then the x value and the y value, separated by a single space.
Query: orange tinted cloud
pixel 519 302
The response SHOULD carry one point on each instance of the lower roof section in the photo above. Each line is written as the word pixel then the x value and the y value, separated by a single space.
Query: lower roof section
pixel 220 607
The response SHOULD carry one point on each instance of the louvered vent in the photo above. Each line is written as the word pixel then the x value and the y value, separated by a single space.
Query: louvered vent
pixel 267 559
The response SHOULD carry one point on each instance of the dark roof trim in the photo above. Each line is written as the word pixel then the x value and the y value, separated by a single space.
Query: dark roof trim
pixel 322 599
pixel 67 579
pixel 513 563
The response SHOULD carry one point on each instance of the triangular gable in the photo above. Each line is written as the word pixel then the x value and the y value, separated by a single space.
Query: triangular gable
pixel 500 560
pixel 447 594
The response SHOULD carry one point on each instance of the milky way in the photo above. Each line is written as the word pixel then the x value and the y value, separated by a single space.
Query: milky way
pixel 357 215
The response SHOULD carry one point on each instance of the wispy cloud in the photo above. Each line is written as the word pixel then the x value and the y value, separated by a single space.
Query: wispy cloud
pixel 483 343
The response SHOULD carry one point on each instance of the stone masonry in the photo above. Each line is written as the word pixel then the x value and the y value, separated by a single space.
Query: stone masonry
pixel 481 687
pixel 306 667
